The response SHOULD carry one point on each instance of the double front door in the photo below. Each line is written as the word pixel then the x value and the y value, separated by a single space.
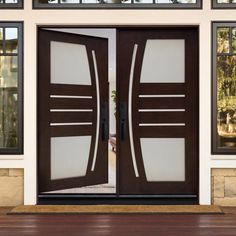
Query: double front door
pixel 156 112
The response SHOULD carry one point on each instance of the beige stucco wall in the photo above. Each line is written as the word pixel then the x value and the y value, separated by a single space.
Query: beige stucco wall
pixel 11 187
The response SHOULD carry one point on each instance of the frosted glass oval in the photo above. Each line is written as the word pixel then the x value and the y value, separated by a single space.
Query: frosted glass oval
pixel 164 158
pixel 69 64
pixel 163 61
pixel 69 156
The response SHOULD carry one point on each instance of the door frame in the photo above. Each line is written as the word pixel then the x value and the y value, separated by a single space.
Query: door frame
pixel 93 199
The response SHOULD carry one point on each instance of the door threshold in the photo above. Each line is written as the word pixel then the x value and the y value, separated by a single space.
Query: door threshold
pixel 110 199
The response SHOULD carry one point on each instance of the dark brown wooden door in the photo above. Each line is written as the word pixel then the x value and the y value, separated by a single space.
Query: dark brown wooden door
pixel 72 110
pixel 157 75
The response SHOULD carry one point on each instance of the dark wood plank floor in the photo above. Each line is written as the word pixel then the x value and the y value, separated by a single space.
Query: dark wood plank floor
pixel 122 225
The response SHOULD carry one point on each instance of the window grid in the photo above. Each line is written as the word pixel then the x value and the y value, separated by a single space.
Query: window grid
pixel 127 4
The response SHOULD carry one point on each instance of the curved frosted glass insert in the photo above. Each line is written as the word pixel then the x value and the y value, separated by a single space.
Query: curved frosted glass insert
pixel 164 158
pixel 69 156
pixel 69 64
pixel 164 61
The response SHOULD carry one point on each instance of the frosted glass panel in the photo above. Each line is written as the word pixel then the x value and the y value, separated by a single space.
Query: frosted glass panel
pixel 164 158
pixel 69 156
pixel 69 64
pixel 164 61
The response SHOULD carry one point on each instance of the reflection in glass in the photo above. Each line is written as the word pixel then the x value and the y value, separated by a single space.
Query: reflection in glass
pixel 11 35
pixel 226 86
pixel 118 1
pixel 8 102
pixel 52 1
pixel 234 40
pixel 143 1
pixel 223 35
pixel 9 1
pixel 226 1
pixel 70 1
pixel 90 1
pixel 176 1
pixel 226 99
pixel 1 40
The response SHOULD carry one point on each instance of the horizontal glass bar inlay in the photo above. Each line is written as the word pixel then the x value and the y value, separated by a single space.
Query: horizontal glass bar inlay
pixel 160 110
pixel 68 96
pixel 161 124
pixel 67 124
pixel 71 110
pixel 162 96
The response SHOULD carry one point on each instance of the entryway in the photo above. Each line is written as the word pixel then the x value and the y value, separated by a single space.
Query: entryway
pixel 118 114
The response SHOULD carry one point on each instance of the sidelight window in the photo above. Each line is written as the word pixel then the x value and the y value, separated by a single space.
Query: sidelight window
pixel 11 88
pixel 224 87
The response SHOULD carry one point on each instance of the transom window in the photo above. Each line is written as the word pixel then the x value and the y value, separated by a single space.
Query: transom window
pixel 11 4
pixel 224 4
pixel 117 3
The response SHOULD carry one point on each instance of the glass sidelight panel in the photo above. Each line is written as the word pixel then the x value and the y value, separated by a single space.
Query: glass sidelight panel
pixel 164 158
pixel 11 87
pixel 69 64
pixel 224 88
pixel 234 40
pixel 69 156
pixel 161 55
pixel 8 102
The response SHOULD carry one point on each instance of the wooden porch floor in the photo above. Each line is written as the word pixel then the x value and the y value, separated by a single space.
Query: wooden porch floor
pixel 122 225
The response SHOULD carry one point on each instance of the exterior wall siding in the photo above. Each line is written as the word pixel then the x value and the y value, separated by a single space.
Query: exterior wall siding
pixel 11 187
pixel 224 187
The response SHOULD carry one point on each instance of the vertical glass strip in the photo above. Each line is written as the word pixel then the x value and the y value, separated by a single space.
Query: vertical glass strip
pixel 233 40
pixel 223 40
pixel 8 102
pixel 1 40
pixel 226 100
